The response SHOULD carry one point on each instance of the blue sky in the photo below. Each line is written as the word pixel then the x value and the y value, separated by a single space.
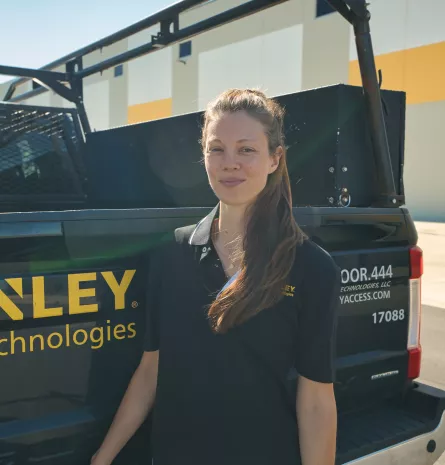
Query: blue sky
pixel 36 32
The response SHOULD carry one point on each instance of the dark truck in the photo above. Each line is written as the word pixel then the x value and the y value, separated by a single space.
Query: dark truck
pixel 82 210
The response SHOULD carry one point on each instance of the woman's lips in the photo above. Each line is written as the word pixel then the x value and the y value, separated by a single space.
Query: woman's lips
pixel 231 182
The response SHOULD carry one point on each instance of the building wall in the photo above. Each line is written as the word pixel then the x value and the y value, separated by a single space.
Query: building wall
pixel 409 46
pixel 149 81
pixel 286 49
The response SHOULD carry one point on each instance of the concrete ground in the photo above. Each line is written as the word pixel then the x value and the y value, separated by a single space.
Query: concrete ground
pixel 432 241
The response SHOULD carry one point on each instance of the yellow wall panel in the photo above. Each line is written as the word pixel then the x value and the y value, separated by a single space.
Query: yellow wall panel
pixel 425 73
pixel 420 72
pixel 392 66
pixel 149 111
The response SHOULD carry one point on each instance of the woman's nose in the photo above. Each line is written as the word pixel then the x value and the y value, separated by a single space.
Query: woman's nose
pixel 230 161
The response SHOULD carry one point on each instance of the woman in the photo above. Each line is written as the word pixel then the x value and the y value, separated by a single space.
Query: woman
pixel 256 312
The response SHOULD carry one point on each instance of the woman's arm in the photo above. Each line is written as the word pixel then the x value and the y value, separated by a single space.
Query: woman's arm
pixel 134 408
pixel 317 422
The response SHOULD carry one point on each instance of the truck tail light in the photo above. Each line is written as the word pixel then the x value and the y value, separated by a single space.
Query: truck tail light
pixel 415 309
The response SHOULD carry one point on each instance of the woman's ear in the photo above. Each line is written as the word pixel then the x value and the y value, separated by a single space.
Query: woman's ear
pixel 275 159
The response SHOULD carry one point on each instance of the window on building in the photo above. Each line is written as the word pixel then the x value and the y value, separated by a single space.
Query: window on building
pixel 323 8
pixel 185 49
pixel 118 70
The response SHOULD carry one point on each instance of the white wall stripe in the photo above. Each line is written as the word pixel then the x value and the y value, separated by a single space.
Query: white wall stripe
pixel 262 62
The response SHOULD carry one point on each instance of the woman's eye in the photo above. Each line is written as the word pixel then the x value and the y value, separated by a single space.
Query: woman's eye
pixel 215 149
pixel 247 150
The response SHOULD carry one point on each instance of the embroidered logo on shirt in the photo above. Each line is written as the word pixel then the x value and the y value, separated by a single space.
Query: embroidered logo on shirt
pixel 288 290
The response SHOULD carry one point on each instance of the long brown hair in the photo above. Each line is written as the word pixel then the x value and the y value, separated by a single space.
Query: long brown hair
pixel 271 235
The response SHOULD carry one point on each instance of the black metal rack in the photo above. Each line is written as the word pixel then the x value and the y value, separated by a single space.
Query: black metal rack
pixel 354 11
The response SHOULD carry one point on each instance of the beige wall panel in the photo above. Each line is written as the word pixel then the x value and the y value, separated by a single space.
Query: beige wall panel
pixel 55 99
pixel 97 104
pixel 23 88
pixel 104 110
pixel 4 88
pixel 388 27
pixel 287 13
pixel 258 62
pixel 119 99
pixel 234 65
pixel 325 52
pixel 205 10
pixel 425 161
pixel 185 76
pixel 41 99
pixel 61 102
pixel 118 90
pixel 149 77
pixel 142 37
pixel 282 56
pixel 425 22
pixel 185 82
pixel 101 55
pixel 271 19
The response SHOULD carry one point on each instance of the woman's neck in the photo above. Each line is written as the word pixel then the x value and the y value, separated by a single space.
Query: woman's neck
pixel 231 224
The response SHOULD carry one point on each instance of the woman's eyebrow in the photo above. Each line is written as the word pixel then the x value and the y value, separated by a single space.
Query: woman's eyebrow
pixel 238 141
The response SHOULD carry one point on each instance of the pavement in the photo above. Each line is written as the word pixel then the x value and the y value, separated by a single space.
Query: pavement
pixel 432 242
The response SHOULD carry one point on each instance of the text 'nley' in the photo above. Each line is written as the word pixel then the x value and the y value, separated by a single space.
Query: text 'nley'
pixel 75 291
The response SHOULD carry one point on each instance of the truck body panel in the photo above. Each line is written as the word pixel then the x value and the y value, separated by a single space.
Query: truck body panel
pixel 72 320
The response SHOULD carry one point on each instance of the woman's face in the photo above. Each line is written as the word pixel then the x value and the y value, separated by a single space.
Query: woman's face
pixel 237 158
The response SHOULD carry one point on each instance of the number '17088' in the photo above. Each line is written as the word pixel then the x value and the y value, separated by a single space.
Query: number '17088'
pixel 388 316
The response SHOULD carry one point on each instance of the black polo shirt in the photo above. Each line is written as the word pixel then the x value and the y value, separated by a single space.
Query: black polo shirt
pixel 230 399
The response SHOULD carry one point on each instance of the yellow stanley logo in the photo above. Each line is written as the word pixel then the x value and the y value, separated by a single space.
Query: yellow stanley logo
pixel 77 290
pixel 288 290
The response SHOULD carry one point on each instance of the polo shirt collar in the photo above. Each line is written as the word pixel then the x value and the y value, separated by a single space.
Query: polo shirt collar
pixel 202 232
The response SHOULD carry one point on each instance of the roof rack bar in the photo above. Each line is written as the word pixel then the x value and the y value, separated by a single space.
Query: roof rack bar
pixel 167 35
pixel 152 20
pixel 342 8
pixel 29 72
pixel 164 39
pixel 167 17
pixel 356 12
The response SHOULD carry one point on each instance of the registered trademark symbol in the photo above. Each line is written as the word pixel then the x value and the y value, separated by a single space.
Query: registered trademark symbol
pixel 134 304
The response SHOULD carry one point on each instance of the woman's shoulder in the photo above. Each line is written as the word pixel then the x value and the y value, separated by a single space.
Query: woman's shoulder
pixel 169 241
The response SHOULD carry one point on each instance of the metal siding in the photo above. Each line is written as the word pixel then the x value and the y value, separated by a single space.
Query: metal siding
pixel 325 51
pixel 271 62
pixel 425 22
pixel 425 161
pixel 149 77
pixel 388 27
pixel 42 99
pixel 233 65
pixel 97 103
pixel 420 72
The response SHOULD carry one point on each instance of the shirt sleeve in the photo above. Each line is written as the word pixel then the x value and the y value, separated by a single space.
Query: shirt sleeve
pixel 317 319
pixel 153 300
